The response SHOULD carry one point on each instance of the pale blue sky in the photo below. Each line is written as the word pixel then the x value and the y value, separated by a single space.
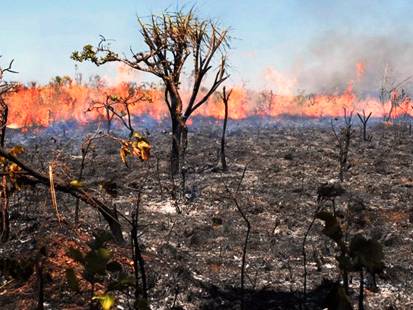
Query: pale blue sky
pixel 282 34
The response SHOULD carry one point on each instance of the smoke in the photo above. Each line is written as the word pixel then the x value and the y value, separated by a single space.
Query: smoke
pixel 121 73
pixel 335 59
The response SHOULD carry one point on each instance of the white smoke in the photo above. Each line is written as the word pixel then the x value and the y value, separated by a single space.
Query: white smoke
pixel 329 63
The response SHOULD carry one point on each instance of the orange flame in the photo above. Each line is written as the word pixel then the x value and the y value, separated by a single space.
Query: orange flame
pixel 44 105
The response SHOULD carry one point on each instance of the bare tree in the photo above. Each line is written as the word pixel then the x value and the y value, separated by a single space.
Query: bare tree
pixel 343 139
pixel 171 38
pixel 107 106
pixel 120 107
pixel 364 120
pixel 392 91
pixel 5 87
pixel 225 99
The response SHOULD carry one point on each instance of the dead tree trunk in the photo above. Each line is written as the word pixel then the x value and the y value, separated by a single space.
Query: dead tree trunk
pixel 174 103
pixel 364 120
pixel 176 145
pixel 182 165
pixel 5 224
pixel 343 139
pixel 108 121
pixel 225 99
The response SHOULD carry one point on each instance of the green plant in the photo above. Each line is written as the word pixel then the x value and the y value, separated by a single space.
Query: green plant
pixel 98 266
pixel 359 255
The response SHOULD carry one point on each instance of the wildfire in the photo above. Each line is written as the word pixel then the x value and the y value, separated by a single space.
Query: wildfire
pixel 360 69
pixel 69 101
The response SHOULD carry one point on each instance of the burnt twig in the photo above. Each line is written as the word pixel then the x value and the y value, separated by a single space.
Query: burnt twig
pixel 37 177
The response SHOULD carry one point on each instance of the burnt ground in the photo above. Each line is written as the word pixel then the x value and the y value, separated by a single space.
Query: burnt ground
pixel 193 257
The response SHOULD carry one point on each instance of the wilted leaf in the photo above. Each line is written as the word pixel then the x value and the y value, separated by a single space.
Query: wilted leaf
pixel 332 227
pixel 72 280
pixel 104 254
pixel 139 148
pixel 124 281
pixel 137 135
pixel 96 261
pixel 337 299
pixel 367 253
pixel 114 267
pixel 19 269
pixel 142 149
pixel 106 301
pixel 13 168
pixel 109 187
pixel 76 183
pixel 101 237
pixel 344 263
pixel 16 150
pixel 217 221
pixel 76 255
pixel 142 304
pixel 123 152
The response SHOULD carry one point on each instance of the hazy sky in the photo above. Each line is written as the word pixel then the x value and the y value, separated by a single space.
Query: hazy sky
pixel 311 44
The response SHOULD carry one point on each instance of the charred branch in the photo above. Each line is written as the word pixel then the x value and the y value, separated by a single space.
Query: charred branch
pixel 343 140
pixel 36 177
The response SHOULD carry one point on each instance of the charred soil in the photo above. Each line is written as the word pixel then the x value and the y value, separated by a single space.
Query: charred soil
pixel 192 242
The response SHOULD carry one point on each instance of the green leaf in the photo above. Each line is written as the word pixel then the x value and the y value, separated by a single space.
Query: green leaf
pixel 76 255
pixel 114 267
pixel 332 227
pixel 72 280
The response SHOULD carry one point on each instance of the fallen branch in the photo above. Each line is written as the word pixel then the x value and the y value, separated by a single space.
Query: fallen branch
pixel 36 177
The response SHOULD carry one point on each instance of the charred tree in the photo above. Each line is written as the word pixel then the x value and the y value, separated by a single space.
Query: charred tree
pixel 172 39
pixel 119 107
pixel 343 140
pixel 5 87
pixel 225 99
pixel 138 261
pixel 86 145
pixel 392 92
pixel 364 120
pixel 5 227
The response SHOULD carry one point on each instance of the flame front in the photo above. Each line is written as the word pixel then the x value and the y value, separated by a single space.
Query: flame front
pixel 45 105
